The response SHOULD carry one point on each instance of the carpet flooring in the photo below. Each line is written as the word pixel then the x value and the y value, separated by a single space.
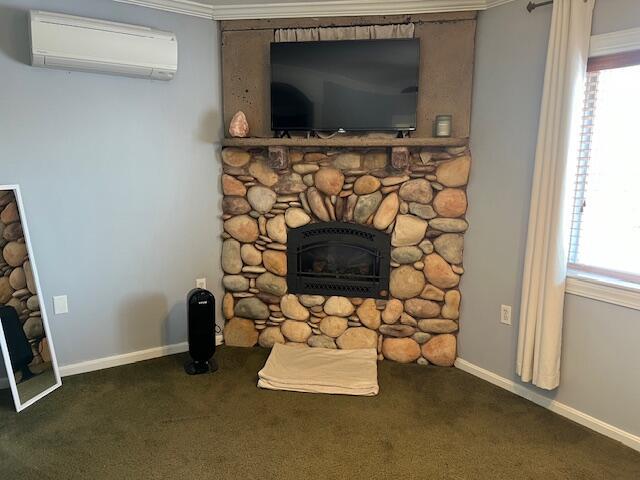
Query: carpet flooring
pixel 151 421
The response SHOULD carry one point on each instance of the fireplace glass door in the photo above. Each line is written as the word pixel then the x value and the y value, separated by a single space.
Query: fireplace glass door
pixel 338 260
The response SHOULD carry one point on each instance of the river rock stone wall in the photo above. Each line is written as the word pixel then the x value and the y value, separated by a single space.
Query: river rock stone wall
pixel 419 200
pixel 17 284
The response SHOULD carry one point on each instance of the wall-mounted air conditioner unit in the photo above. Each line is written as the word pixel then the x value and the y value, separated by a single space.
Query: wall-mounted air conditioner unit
pixel 68 42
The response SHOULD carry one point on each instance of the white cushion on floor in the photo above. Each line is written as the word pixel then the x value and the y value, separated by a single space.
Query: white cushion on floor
pixel 321 370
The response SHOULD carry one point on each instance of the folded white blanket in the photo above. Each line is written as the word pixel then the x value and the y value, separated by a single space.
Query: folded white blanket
pixel 321 370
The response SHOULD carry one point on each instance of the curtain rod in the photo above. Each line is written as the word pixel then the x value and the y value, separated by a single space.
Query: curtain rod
pixel 531 6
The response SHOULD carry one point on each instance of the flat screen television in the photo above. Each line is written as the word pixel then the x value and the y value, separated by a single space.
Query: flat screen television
pixel 351 85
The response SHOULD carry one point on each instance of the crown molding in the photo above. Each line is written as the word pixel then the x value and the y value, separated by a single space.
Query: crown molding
pixel 183 7
pixel 495 3
pixel 313 8
pixel 342 8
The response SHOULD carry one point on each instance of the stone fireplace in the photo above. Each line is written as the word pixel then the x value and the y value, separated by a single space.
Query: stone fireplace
pixel 338 258
pixel 281 196
pixel 348 247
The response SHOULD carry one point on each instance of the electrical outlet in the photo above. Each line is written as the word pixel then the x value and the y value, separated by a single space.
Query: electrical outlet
pixel 201 283
pixel 505 314
pixel 60 305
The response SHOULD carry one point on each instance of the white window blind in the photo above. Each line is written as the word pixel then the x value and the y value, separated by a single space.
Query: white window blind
pixel 605 213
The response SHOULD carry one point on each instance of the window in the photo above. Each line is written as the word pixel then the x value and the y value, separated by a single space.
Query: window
pixel 605 226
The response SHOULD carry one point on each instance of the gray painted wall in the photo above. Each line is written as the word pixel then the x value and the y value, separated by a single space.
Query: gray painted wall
pixel 614 15
pixel 119 178
pixel 600 368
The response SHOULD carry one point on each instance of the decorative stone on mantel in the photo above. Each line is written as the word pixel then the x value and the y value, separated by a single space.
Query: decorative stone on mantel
pixel 416 194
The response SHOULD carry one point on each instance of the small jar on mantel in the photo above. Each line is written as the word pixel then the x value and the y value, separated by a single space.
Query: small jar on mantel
pixel 442 126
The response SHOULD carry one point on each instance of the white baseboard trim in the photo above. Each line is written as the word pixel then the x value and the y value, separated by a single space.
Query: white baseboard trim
pixel 627 438
pixel 126 358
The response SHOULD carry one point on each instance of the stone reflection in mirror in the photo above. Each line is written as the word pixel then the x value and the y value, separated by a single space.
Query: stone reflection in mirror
pixel 28 355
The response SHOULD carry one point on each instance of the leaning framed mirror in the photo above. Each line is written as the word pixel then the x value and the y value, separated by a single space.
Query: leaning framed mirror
pixel 27 349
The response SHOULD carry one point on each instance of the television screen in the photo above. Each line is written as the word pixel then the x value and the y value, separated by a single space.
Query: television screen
pixel 349 85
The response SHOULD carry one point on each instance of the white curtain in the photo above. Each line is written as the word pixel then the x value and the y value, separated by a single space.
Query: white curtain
pixel 366 32
pixel 541 309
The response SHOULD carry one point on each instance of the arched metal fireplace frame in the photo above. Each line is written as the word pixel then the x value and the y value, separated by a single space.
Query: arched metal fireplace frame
pixel 336 234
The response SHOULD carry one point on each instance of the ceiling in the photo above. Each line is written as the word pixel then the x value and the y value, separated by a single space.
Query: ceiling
pixel 253 9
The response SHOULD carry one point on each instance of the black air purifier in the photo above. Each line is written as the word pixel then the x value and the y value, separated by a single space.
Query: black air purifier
pixel 201 310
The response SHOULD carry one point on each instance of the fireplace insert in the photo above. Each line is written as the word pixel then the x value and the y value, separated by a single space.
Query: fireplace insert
pixel 336 258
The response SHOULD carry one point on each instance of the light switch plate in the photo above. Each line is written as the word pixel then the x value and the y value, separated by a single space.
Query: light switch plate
pixel 60 304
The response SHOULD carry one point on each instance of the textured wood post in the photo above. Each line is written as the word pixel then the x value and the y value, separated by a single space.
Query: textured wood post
pixel 400 157
pixel 278 157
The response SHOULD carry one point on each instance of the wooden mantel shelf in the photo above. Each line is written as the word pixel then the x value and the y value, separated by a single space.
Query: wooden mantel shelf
pixel 344 142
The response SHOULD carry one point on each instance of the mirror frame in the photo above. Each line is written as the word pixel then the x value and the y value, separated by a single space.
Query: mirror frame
pixel 45 321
